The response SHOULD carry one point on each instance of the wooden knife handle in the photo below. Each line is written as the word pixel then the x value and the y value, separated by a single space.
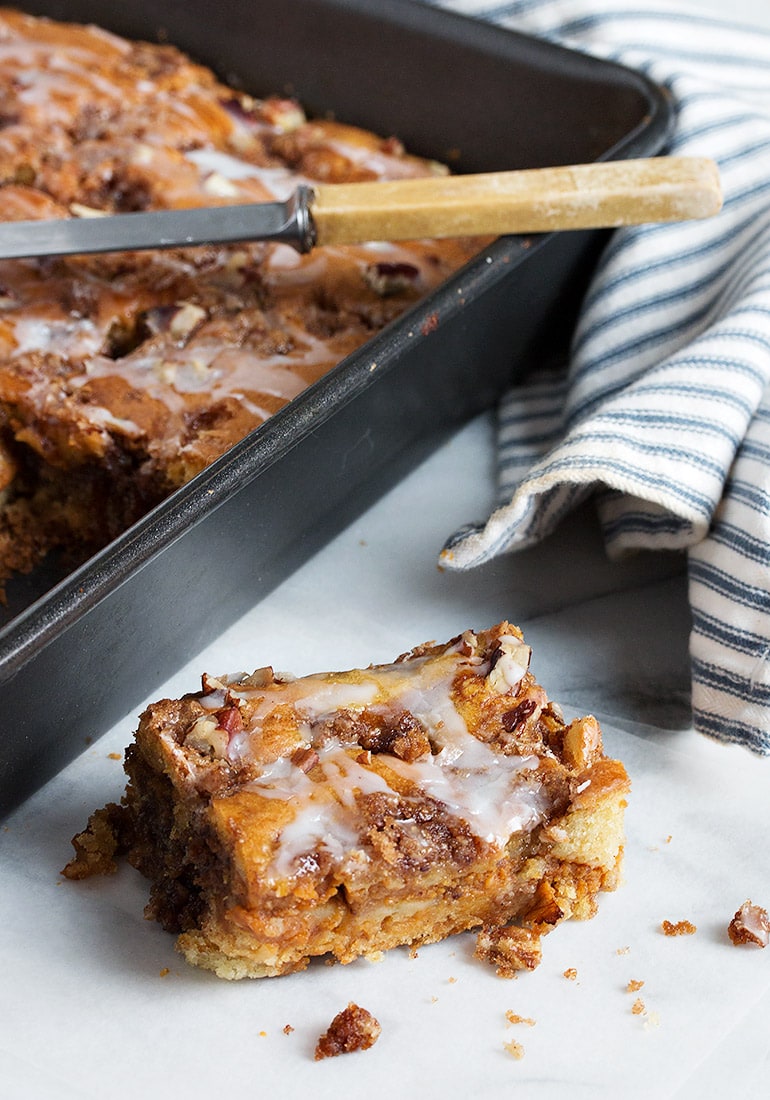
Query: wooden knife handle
pixel 538 200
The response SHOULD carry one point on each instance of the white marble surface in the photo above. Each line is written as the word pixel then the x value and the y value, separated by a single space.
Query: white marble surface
pixel 85 1010
pixel 85 999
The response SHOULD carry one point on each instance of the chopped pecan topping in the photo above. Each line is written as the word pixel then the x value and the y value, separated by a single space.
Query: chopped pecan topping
pixel 396 732
pixel 392 146
pixel 305 759
pixel 513 719
pixel 178 320
pixel 391 278
pixel 210 684
pixel 283 114
pixel 401 734
pixel 230 719
pixel 260 677
pixel 207 737
pixel 509 664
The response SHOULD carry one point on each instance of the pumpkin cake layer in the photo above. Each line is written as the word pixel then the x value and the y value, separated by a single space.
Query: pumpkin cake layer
pixel 281 819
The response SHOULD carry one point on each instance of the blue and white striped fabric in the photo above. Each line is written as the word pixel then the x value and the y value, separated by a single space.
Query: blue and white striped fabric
pixel 664 411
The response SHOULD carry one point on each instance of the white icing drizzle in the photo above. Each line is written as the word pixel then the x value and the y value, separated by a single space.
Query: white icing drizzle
pixel 494 794
pixel 325 817
pixel 103 418
pixel 207 367
pixel 279 183
pixel 490 793
pixel 79 337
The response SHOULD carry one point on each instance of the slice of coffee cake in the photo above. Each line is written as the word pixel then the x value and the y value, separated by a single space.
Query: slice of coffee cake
pixel 343 814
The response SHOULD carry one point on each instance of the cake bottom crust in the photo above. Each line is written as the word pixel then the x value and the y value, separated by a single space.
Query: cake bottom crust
pixel 233 947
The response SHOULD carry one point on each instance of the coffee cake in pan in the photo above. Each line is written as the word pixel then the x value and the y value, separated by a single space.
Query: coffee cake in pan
pixel 281 820
pixel 122 376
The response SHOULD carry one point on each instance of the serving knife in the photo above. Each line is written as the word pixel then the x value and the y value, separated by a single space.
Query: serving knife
pixel 538 200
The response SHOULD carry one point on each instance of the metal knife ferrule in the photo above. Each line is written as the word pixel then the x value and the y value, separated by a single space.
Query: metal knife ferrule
pixel 300 227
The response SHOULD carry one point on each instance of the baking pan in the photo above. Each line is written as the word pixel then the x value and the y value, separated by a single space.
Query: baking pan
pixel 78 652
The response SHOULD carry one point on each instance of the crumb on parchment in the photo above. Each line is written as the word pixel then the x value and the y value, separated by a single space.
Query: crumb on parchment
pixel 354 1028
pixel 514 1018
pixel 678 928
pixel 514 1048
pixel 509 949
pixel 98 845
pixel 639 1008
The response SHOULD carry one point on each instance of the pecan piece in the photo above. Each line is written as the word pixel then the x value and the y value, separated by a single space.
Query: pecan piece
pixel 513 719
pixel 230 720
pixel 750 925
pixel 305 759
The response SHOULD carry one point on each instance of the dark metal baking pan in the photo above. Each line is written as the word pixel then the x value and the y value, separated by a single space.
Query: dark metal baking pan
pixel 88 649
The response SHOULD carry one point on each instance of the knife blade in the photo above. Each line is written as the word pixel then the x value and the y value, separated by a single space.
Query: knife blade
pixel 539 200
pixel 287 222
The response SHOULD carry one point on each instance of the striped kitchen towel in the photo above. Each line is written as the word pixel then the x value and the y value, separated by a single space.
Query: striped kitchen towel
pixel 663 413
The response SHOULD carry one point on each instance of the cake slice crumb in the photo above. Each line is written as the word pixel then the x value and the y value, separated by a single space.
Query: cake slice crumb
pixel 352 1029
pixel 514 1048
pixel 509 949
pixel 750 925
pixel 514 1018
pixel 678 928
